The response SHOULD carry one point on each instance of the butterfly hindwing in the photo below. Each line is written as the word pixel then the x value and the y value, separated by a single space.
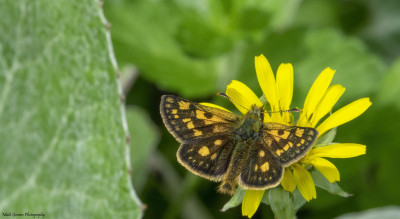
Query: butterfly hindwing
pixel 261 170
pixel 189 121
pixel 208 157
pixel 288 143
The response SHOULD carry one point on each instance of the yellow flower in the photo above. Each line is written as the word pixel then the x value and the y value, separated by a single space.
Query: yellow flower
pixel 319 102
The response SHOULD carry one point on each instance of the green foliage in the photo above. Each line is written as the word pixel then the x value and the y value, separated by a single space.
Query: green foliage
pixel 145 137
pixel 236 199
pixel 322 182
pixel 62 141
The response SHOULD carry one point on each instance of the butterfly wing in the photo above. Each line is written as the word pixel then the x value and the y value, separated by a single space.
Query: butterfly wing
pixel 205 133
pixel 190 122
pixel 281 146
pixel 288 143
pixel 208 158
pixel 261 169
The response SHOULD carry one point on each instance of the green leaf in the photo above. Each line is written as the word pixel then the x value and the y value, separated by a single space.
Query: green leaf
pixel 265 198
pixel 236 199
pixel 63 145
pixel 387 212
pixel 281 203
pixel 144 139
pixel 298 200
pixel 321 182
pixel 327 138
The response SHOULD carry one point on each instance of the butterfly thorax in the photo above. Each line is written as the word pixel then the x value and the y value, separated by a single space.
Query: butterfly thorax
pixel 249 125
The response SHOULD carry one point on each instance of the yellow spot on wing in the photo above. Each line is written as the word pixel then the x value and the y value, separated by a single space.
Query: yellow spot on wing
pixel 174 111
pixel 264 167
pixel 261 153
pixel 285 134
pixel 279 152
pixel 299 132
pixel 274 132
pixel 197 132
pixel 218 142
pixel 256 167
pixel 302 141
pixel 213 119
pixel 286 147
pixel 190 125
pixel 183 105
pixel 213 156
pixel 169 100
pixel 204 151
pixel 276 138
pixel 186 120
pixel 176 116
pixel 200 114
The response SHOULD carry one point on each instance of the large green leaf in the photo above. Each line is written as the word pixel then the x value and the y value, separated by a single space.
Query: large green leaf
pixel 63 145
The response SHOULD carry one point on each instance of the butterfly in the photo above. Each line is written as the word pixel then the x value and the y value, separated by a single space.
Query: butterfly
pixel 235 150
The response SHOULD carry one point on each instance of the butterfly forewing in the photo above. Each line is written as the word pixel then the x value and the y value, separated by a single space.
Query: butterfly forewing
pixel 261 170
pixel 208 157
pixel 189 121
pixel 288 143
pixel 205 133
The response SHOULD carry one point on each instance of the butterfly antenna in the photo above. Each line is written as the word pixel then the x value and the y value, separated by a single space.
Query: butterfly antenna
pixel 289 110
pixel 230 99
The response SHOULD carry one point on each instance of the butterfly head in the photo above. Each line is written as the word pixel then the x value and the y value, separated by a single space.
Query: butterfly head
pixel 256 113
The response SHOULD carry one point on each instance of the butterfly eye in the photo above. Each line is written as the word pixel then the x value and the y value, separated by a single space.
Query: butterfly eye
pixel 262 116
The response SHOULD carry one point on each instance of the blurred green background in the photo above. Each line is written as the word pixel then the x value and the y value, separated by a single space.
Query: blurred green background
pixel 63 145
pixel 195 48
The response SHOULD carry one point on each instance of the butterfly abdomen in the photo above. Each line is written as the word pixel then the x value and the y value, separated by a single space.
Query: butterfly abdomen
pixel 230 180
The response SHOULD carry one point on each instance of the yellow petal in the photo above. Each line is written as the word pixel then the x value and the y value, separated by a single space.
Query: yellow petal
pixel 330 98
pixel 304 182
pixel 251 201
pixel 243 97
pixel 284 86
pixel 344 150
pixel 326 168
pixel 284 83
pixel 214 106
pixel 317 91
pixel 266 80
pixel 287 182
pixel 345 114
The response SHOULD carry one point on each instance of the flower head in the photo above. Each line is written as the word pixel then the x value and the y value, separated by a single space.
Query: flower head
pixel 320 100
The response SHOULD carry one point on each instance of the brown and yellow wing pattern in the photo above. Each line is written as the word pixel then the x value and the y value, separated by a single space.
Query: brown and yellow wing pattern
pixel 205 133
pixel 189 121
